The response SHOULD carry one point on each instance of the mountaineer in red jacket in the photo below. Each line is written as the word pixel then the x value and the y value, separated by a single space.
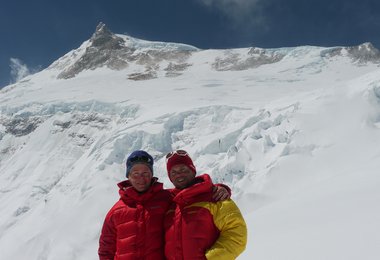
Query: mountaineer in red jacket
pixel 196 226
pixel 134 226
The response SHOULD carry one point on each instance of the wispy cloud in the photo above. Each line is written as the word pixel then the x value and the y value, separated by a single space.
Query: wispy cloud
pixel 240 12
pixel 19 70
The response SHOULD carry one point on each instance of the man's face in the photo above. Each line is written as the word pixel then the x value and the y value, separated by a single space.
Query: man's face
pixel 140 177
pixel 181 176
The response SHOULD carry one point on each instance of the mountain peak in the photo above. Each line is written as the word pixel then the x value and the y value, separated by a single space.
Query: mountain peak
pixel 102 28
pixel 103 38
pixel 365 52
pixel 104 50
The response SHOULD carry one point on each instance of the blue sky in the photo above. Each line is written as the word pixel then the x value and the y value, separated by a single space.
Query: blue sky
pixel 35 33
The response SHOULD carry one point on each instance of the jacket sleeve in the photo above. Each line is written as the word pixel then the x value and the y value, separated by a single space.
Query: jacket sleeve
pixel 107 240
pixel 228 189
pixel 233 232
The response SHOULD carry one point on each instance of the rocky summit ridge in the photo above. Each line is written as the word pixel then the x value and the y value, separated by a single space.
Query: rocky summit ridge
pixel 116 52
pixel 119 52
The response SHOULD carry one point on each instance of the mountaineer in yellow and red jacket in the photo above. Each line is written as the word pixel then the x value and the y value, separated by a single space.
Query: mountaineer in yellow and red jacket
pixel 197 227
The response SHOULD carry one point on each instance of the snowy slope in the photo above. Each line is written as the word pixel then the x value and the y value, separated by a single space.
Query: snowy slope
pixel 295 132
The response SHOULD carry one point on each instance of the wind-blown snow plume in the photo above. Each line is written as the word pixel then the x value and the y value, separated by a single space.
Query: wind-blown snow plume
pixel 247 12
pixel 19 70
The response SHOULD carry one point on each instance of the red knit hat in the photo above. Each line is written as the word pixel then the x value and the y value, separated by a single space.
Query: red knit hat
pixel 179 157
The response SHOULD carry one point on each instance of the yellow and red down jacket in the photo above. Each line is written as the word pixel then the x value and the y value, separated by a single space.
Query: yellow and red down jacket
pixel 133 228
pixel 197 227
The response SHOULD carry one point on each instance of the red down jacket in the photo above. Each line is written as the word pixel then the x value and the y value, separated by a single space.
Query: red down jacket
pixel 133 228
pixel 197 227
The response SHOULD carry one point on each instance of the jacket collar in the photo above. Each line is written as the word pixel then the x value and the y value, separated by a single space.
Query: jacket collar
pixel 201 190
pixel 128 194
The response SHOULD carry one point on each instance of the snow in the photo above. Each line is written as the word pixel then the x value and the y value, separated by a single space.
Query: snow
pixel 142 44
pixel 296 140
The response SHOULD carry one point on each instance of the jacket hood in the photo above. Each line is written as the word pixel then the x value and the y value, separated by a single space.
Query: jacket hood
pixel 201 190
pixel 131 196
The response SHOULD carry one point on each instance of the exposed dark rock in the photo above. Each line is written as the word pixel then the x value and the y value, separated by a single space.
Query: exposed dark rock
pixel 177 67
pixel 106 49
pixel 173 70
pixel 256 58
pixel 104 39
pixel 20 126
pixel 362 53
pixel 143 75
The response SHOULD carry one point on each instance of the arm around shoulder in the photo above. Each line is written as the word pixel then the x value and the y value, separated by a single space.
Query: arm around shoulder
pixel 233 231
